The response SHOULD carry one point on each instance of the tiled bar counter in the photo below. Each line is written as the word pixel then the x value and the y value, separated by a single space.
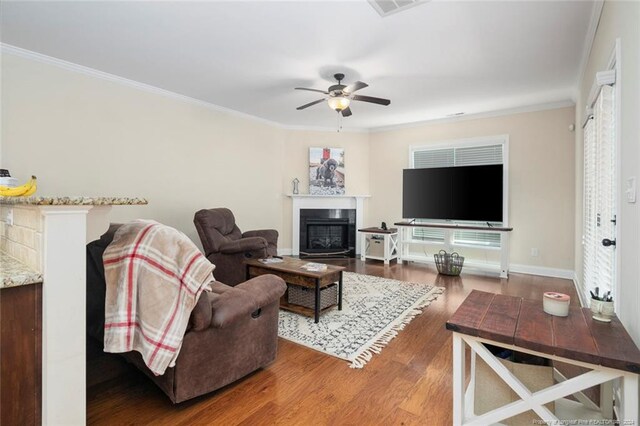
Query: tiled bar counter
pixel 43 297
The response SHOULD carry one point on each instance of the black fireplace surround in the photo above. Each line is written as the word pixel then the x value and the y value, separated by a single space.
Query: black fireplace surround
pixel 327 233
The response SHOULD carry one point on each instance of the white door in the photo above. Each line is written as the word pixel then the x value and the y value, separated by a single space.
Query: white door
pixel 600 196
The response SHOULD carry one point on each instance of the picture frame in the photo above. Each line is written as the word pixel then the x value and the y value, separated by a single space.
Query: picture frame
pixel 326 171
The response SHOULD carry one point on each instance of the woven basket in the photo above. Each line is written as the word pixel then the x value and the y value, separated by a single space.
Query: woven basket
pixel 448 263
pixel 304 296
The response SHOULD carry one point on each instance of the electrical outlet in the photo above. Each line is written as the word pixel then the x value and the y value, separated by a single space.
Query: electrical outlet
pixel 630 191
pixel 535 252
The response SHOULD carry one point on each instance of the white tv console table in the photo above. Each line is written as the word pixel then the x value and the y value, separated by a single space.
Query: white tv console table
pixel 406 239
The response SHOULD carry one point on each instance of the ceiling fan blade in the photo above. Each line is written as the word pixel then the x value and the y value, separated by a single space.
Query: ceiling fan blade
pixel 312 90
pixel 346 112
pixel 310 104
pixel 371 99
pixel 355 86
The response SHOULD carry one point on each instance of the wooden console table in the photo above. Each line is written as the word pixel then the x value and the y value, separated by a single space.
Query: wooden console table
pixel 521 325
pixel 406 239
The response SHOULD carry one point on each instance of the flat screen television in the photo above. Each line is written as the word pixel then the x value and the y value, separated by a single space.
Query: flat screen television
pixel 469 193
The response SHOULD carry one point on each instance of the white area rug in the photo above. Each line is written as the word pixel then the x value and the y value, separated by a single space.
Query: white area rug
pixel 374 309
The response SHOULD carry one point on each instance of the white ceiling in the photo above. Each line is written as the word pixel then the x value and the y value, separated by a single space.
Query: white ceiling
pixel 431 60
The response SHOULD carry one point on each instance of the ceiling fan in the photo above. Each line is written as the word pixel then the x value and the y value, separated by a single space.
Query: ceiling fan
pixel 339 96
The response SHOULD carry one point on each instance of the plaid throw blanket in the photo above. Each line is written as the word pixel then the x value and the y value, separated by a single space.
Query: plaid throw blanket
pixel 154 277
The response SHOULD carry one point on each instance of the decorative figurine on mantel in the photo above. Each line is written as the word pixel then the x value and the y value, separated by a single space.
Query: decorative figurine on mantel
pixel 295 186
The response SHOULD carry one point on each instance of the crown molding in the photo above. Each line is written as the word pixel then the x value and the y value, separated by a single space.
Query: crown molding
pixel 596 12
pixel 81 69
pixel 489 114
pixel 92 72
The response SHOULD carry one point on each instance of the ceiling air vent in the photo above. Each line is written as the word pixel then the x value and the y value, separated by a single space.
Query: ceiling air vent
pixel 388 7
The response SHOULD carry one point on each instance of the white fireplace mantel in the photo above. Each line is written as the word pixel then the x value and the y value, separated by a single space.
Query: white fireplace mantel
pixel 308 201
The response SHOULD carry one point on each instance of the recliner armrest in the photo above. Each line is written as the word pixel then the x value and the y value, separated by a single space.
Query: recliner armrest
pixel 271 235
pixel 200 318
pixel 230 303
pixel 243 245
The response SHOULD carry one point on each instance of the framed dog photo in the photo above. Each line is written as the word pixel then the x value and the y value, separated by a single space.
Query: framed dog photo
pixel 326 171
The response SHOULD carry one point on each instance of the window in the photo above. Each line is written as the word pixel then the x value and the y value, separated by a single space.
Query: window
pixel 477 152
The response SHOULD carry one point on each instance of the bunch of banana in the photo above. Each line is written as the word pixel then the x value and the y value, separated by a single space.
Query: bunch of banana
pixel 25 190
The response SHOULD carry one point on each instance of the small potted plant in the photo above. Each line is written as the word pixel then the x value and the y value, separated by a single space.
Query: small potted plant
pixel 601 305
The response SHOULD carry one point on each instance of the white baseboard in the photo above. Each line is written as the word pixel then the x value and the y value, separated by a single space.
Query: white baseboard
pixel 542 271
pixel 521 269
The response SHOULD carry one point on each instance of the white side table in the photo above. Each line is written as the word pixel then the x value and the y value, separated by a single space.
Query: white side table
pixel 390 243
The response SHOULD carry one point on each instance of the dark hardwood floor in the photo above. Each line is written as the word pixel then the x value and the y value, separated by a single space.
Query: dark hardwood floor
pixel 408 383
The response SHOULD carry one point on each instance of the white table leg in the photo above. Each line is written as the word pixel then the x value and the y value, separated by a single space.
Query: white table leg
pixel 630 398
pixel 394 246
pixel 363 246
pixel 404 247
pixel 387 253
pixel 504 255
pixel 458 379
pixel 606 400
pixel 470 397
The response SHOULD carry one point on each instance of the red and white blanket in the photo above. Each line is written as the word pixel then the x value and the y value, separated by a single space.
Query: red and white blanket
pixel 154 275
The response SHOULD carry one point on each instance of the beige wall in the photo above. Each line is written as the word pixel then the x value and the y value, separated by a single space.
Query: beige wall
pixel 541 177
pixel 86 136
pixel 618 20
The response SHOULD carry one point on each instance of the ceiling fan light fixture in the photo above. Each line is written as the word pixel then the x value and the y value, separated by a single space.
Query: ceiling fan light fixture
pixel 338 103
pixel 339 96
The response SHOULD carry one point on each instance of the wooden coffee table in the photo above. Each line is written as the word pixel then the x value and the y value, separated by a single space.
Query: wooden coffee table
pixel 290 270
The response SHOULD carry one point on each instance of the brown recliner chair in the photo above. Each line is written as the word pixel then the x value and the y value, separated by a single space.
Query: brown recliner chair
pixel 227 247
pixel 232 331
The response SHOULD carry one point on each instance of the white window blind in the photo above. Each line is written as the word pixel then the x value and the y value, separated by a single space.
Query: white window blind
pixel 478 155
pixel 472 238
pixel 590 215
pixel 426 159
pixel 469 155
pixel 599 195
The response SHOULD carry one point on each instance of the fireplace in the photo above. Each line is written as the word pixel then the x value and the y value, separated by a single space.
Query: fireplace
pixel 306 204
pixel 327 233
